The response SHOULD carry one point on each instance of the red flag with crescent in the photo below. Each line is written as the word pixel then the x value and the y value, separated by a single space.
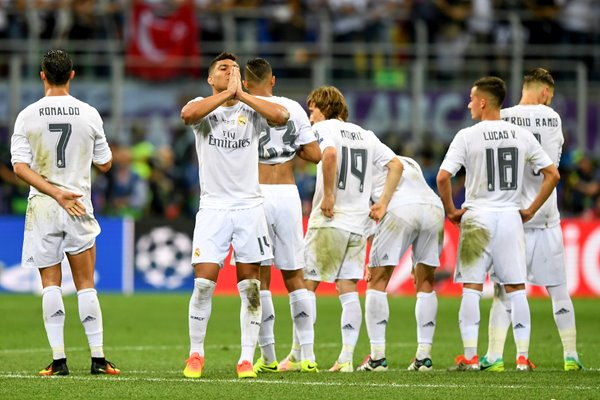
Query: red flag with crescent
pixel 163 46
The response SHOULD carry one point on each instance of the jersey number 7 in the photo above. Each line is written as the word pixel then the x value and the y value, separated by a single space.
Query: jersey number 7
pixel 61 146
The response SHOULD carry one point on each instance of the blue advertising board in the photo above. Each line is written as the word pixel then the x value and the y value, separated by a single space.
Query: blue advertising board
pixel 114 258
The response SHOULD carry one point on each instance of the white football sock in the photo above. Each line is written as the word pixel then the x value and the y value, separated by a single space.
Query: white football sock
pixel 500 321
pixel 250 316
pixel 266 335
pixel 377 314
pixel 300 307
pixel 350 324
pixel 564 316
pixel 426 314
pixel 53 310
pixel 91 318
pixel 521 321
pixel 468 321
pixel 199 311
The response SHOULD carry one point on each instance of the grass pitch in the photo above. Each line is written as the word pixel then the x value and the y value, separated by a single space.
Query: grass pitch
pixel 146 337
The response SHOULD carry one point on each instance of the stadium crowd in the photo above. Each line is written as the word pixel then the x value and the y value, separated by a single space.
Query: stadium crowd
pixel 156 178
pixel 455 28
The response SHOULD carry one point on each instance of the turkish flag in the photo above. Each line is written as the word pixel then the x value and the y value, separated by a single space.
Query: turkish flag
pixel 163 46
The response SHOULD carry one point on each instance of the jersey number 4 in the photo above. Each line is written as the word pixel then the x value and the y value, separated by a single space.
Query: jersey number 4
pixel 61 146
pixel 507 165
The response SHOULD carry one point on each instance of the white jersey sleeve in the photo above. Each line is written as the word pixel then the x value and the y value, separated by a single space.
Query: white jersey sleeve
pixel 102 153
pixel 279 144
pixel 456 156
pixel 59 137
pixel 546 126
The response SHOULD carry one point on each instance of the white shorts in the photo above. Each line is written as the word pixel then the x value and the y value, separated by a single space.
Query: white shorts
pixel 419 225
pixel 244 229
pixel 283 210
pixel 545 257
pixel 491 237
pixel 331 254
pixel 50 232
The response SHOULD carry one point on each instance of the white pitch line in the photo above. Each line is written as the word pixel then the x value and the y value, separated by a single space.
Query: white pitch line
pixel 297 383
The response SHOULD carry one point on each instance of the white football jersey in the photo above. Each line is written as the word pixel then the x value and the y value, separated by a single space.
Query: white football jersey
pixel 227 148
pixel 495 155
pixel 278 144
pixel 358 151
pixel 59 137
pixel 546 126
pixel 412 188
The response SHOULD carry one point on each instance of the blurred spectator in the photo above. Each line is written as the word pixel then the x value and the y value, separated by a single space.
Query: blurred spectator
pixel 578 21
pixel 543 28
pixel 210 25
pixel 348 22
pixel 166 198
pixel 429 166
pixel 127 192
pixel 286 23
pixel 305 174
pixel 87 25
pixel 582 185
pixel 13 191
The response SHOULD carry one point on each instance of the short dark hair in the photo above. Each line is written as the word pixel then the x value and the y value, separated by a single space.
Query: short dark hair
pixel 538 75
pixel 223 56
pixel 493 86
pixel 57 66
pixel 330 101
pixel 257 70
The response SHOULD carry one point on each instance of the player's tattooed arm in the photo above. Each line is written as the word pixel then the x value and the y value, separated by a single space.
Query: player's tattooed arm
pixel 104 168
pixel 310 152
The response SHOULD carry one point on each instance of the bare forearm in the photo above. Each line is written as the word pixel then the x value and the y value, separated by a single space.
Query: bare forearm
pixel 444 185
pixel 276 114
pixel 310 152
pixel 551 178
pixel 196 110
pixel 34 179
pixel 395 169
pixel 104 168
pixel 329 170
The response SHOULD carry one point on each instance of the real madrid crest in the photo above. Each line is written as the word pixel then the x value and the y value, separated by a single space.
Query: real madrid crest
pixel 242 120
